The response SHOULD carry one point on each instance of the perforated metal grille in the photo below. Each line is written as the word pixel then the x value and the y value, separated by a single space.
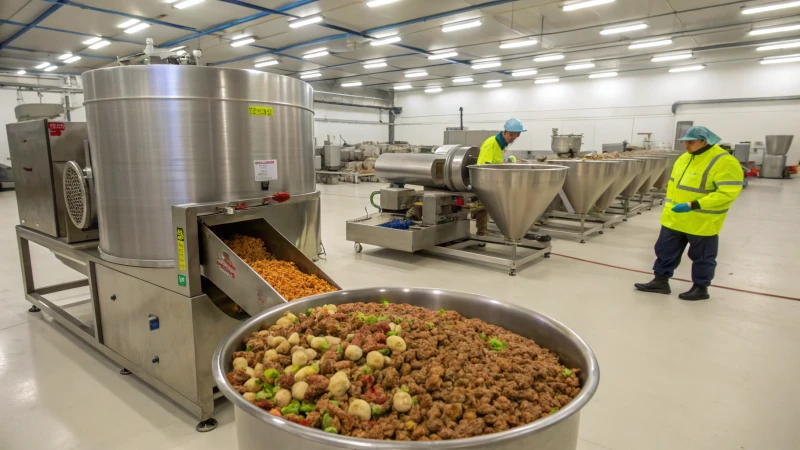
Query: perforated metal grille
pixel 75 195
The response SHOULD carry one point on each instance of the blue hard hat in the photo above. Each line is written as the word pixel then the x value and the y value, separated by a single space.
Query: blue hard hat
pixel 701 134
pixel 514 126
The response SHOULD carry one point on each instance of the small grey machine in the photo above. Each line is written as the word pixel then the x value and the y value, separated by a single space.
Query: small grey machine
pixel 566 145
pixel 774 163
pixel 173 170
pixel 436 219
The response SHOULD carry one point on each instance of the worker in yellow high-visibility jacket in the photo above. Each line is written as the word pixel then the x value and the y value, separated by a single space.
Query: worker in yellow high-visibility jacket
pixel 492 153
pixel 704 183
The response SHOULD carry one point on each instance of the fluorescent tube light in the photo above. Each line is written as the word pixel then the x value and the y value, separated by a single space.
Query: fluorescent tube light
pixel 443 55
pixel 91 41
pixel 20 72
pixel 351 84
pixel 389 40
pixel 138 27
pixel 603 75
pixel 316 54
pixel 386 34
pixel 376 65
pixel 305 76
pixel 65 56
pixel 542 58
pixel 42 65
pixel 579 66
pixel 546 80
pixel 416 74
pixel 269 62
pixel 687 68
pixel 649 44
pixel 617 30
pixel 403 87
pixel 375 3
pixel 461 26
pixel 772 7
pixel 99 44
pixel 305 21
pixel 462 80
pixel 433 90
pixel 671 57
pixel 240 36
pixel 177 48
pixel 241 42
pixel 128 23
pixel 524 73
pixel 186 3
pixel 180 52
pixel 792 58
pixel 50 68
pixel 487 65
pixel 520 43
pixel 779 46
pixel 586 4
pixel 758 31
pixel 72 60
pixel 493 85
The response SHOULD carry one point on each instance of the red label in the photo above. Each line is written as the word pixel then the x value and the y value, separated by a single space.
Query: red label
pixel 226 265
pixel 56 128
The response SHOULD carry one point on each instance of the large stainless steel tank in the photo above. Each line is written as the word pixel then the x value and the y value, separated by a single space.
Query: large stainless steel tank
pixel 444 171
pixel 164 135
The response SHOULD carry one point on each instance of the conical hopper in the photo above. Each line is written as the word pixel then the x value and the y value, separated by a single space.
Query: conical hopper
pixel 658 169
pixel 587 180
pixel 515 195
pixel 663 180
pixel 630 168
pixel 778 144
pixel 650 165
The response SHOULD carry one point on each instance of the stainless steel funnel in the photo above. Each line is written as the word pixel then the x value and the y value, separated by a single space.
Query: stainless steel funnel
pixel 650 165
pixel 778 144
pixel 515 195
pixel 658 169
pixel 663 180
pixel 587 180
pixel 630 168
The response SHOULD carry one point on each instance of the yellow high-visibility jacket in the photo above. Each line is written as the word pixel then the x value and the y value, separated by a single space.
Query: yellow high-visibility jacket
pixel 492 151
pixel 711 181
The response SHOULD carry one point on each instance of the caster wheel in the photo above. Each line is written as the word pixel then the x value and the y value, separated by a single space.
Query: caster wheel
pixel 357 246
pixel 613 228
pixel 34 309
pixel 206 425
pixel 547 255
pixel 638 213
pixel 582 241
pixel 513 273
pixel 624 220
pixel 601 232
pixel 125 371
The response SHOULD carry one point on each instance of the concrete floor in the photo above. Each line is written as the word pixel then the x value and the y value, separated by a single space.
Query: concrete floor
pixel 720 374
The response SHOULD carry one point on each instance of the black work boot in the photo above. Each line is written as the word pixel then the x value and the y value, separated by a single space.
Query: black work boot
pixel 695 293
pixel 659 285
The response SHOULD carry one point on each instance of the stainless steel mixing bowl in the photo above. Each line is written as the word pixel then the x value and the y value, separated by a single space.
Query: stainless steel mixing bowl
pixel 257 429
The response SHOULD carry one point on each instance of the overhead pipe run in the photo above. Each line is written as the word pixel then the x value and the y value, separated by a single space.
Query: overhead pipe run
pixel 676 105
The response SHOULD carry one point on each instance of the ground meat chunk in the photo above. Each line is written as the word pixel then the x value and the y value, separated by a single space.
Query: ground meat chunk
pixel 317 384
pixel 237 377
pixel 286 380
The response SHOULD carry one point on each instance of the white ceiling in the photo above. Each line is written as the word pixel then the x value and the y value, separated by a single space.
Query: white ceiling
pixel 715 29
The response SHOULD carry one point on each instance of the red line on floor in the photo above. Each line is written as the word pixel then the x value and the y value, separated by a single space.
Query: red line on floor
pixel 679 279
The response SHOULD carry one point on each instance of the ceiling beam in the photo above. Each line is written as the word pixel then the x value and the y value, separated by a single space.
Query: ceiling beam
pixel 123 14
pixel 77 33
pixel 82 55
pixel 27 27
pixel 437 16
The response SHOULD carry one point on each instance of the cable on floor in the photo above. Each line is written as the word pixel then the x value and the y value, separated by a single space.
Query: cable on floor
pixel 678 279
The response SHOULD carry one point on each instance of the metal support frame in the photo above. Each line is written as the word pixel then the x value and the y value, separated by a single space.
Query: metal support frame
pixel 27 27
pixel 513 262
pixel 563 227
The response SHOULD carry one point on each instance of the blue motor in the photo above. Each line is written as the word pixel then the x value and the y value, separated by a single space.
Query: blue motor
pixel 398 224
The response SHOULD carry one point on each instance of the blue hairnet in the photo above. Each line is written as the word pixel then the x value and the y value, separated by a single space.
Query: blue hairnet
pixel 701 134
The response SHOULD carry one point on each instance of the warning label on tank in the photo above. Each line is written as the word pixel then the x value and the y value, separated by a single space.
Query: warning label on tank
pixel 226 265
pixel 181 249
pixel 260 111
pixel 266 169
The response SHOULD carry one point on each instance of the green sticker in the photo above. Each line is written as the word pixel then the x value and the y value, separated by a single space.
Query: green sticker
pixel 181 280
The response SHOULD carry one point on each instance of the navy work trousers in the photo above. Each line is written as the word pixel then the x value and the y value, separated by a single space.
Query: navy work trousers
pixel 702 252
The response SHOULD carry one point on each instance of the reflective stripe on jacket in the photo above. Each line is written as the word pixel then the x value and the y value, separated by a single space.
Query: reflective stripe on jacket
pixel 491 151
pixel 712 180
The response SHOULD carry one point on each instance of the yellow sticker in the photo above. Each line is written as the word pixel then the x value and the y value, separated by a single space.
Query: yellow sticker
pixel 181 250
pixel 259 111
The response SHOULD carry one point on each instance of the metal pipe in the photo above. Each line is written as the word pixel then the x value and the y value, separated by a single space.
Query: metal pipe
pixel 27 27
pixel 382 108
pixel 59 30
pixel 676 105
pixel 82 55
pixel 119 13
pixel 437 16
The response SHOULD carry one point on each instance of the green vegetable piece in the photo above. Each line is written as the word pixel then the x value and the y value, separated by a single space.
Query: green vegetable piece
pixel 296 320
pixel 324 346
pixel 327 421
pixel 409 322
pixel 398 321
pixel 338 327
pixel 268 387
pixel 383 318
pixel 361 317
pixel 430 325
pixel 414 400
pixel 306 407
pixel 385 302
pixel 331 430
pixel 553 410
pixel 339 350
pixel 309 311
pixel 291 408
pixel 334 402
pixel 367 370
pixel 497 345
pixel 371 320
pixel 349 338
pixel 482 336
pixel 566 372
pixel 391 333
pixel 330 396
pixel 294 368
pixel 275 390
pixel 385 351
pixel 377 411
pixel 271 374
pixel 248 350
pixel 441 311
pixel 261 395
pixel 404 388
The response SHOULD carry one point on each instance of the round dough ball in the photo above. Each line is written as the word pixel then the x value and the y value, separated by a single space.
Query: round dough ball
pixel 285 322
pixel 303 373
pixel 339 384
pixel 250 397
pixel 359 408
pixel 253 385
pixel 396 344
pixel 259 370
pixel 299 390
pixel 294 339
pixel 263 332
pixel 309 338
pixel 353 352
pixel 299 358
pixel 271 356
pixel 274 341
pixel 240 363
pixel 375 360
pixel 250 371
pixel 282 398
pixel 333 340
pixel 283 348
pixel 319 343
pixel 402 402
pixel 312 355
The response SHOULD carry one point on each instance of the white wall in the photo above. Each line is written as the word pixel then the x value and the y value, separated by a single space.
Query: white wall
pixel 615 109
pixel 328 120
pixel 8 101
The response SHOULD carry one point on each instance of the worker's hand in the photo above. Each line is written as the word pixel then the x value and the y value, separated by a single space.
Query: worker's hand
pixel 511 159
pixel 682 207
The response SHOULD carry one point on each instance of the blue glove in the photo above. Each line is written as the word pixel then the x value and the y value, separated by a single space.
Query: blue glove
pixel 682 208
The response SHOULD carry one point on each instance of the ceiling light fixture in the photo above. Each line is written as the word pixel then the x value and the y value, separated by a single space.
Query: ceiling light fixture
pixel 65 56
pixel 433 90
pixel 241 42
pixel 542 58
pixel 417 74
pixel 586 4
pixel 305 21
pixel 524 73
pixel 462 80
pixel 91 41
pixel 240 36
pixel 386 34
pixel 186 3
pixel 266 63
pixel 20 72
pixel 137 27
pixel 72 60
pixel 375 3
pixel 659 43
pixel 671 57
pixel 403 87
pixel 781 59
pixel 43 65
pixel 177 48
pixel 443 55
pixel 128 23
pixel 375 65
pixel 546 80
pixel 305 76
pixel 180 52
pixel 579 66
pixel 772 7
pixel 520 43
pixel 389 40
pixel 99 44
pixel 461 26
pixel 50 68
pixel 351 84
pixel 626 28
pixel 687 68
pixel 316 54
pixel 487 65
pixel 493 85
pixel 759 31
pixel 603 75
pixel 779 46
